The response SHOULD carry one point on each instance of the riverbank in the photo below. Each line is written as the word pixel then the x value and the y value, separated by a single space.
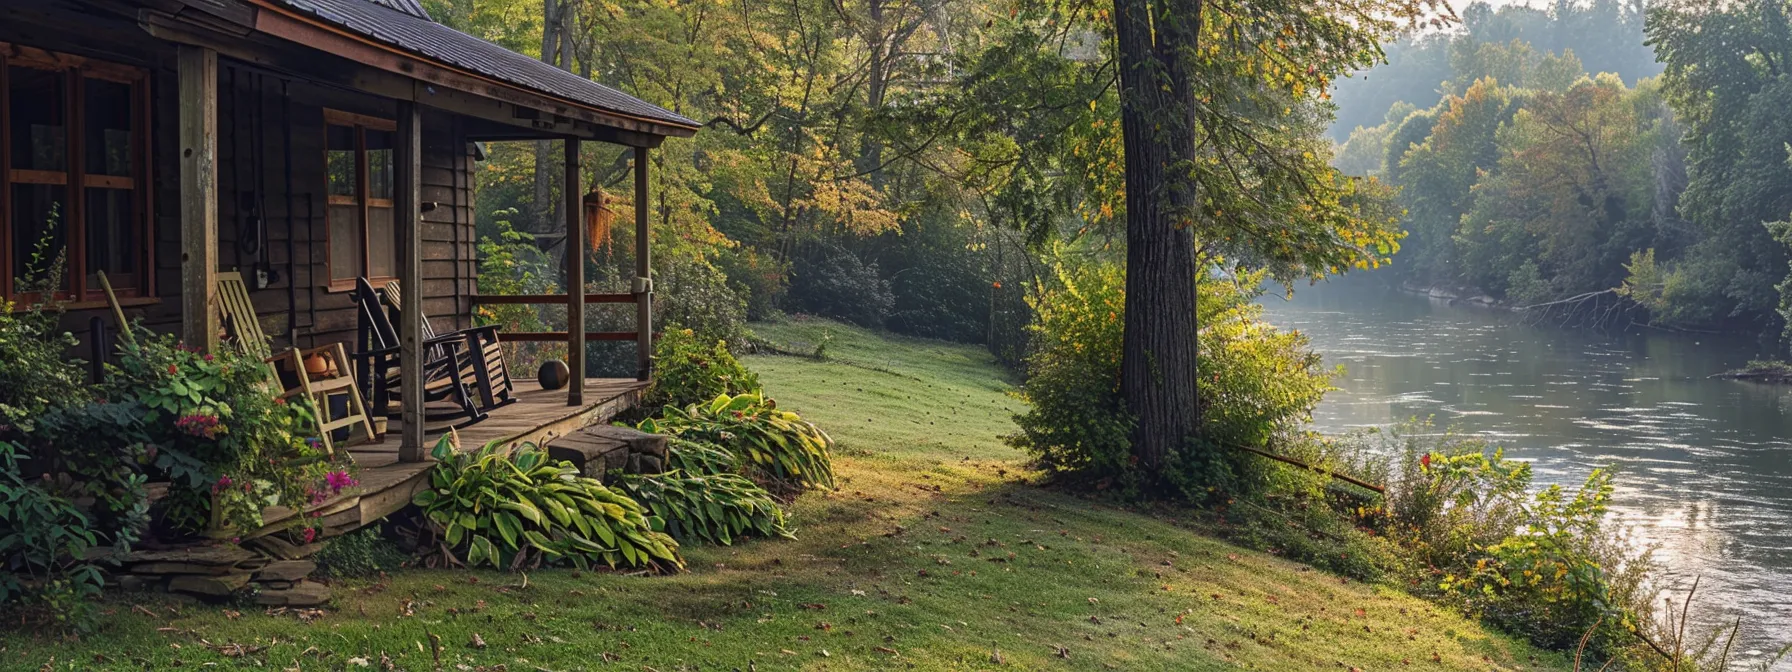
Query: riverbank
pixel 936 553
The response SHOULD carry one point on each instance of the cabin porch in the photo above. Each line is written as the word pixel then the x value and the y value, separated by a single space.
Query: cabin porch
pixel 387 483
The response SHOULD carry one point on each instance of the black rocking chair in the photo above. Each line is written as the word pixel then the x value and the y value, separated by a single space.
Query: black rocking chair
pixel 447 367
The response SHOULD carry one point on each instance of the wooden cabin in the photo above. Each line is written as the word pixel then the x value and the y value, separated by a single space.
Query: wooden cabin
pixel 302 143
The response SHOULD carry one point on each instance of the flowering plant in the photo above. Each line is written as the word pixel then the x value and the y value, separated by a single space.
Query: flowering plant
pixel 226 441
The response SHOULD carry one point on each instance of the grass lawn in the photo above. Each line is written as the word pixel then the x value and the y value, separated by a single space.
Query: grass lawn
pixel 935 554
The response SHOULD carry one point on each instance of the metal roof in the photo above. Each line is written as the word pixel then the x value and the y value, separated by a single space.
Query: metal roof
pixel 406 25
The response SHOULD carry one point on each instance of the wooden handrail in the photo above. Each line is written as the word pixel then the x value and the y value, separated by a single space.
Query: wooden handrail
pixel 532 336
pixel 548 299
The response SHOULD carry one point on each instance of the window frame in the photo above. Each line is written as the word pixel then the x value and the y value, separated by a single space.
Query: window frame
pixel 75 179
pixel 362 200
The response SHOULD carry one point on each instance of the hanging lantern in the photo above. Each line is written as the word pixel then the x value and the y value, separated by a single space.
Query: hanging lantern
pixel 597 219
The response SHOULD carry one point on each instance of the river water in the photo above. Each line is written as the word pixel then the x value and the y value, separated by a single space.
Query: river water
pixel 1704 466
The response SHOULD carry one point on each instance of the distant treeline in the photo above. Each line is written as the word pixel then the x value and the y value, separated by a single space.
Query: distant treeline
pixel 1531 180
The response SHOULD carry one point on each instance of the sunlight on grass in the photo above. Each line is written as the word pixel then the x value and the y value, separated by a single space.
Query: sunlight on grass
pixel 935 554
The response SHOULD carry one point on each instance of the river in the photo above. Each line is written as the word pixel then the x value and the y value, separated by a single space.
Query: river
pixel 1703 466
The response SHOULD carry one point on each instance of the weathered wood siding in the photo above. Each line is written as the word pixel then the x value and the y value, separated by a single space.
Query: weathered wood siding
pixel 268 122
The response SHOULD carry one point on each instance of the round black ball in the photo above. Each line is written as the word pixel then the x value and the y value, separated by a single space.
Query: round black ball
pixel 554 374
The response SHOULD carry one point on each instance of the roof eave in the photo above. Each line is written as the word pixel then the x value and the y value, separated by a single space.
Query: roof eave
pixel 285 23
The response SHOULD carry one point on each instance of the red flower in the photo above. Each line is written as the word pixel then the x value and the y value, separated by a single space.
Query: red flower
pixel 1425 461
pixel 172 369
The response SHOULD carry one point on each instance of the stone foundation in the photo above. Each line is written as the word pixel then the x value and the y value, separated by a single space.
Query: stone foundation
pixel 219 571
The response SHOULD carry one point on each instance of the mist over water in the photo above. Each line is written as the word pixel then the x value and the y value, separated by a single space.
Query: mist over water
pixel 1704 466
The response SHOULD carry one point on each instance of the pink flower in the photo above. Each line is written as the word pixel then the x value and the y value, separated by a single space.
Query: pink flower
pixel 337 480
pixel 310 534
pixel 208 356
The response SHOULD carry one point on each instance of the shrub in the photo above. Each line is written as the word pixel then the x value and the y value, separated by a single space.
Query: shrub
pixel 700 458
pixel 695 295
pixel 518 509
pixel 36 373
pixel 760 280
pixel 226 442
pixel 837 284
pixel 712 508
pixel 685 372
pixel 777 446
pixel 46 544
pixel 1076 423
pixel 1256 384
pixel 362 553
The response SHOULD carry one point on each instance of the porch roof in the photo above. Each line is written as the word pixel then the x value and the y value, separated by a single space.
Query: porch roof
pixel 405 25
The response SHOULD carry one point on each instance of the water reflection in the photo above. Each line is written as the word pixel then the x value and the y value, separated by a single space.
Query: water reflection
pixel 1703 465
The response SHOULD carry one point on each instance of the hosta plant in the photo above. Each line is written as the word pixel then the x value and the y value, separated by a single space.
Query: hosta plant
pixel 699 458
pixel 778 445
pixel 712 508
pixel 518 509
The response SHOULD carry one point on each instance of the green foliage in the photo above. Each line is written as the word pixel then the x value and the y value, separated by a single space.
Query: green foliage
pixel 697 296
pixel 46 541
pixel 519 510
pixel 838 284
pixel 700 458
pixel 1076 421
pixel 510 263
pixel 707 508
pixel 35 370
pixel 229 445
pixel 1257 384
pixel 684 372
pixel 758 278
pixel 358 554
pixel 776 446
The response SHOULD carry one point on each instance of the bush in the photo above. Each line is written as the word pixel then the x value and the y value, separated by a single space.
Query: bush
pixel 759 279
pixel 695 295
pixel 712 508
pixel 837 284
pixel 36 372
pixel 46 541
pixel 685 372
pixel 227 444
pixel 518 509
pixel 359 554
pixel 777 446
pixel 1257 384
pixel 700 458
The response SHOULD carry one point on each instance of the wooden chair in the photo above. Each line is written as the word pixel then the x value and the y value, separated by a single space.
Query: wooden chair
pixel 445 369
pixel 485 360
pixel 239 319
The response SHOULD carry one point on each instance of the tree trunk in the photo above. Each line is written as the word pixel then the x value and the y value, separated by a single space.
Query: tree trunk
pixel 1157 119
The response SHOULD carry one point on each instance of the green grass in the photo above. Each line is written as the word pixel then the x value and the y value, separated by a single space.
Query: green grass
pixel 935 554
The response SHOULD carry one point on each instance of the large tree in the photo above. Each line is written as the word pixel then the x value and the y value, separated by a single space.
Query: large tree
pixel 1222 107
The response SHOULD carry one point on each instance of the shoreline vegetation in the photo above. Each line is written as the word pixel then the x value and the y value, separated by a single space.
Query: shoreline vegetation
pixel 940 549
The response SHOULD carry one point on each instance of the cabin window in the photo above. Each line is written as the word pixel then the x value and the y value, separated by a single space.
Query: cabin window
pixel 73 175
pixel 358 157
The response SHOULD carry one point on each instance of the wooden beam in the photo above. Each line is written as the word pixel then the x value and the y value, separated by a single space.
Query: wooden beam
pixel 198 84
pixel 643 277
pixel 545 299
pixel 407 217
pixel 575 276
pixel 550 336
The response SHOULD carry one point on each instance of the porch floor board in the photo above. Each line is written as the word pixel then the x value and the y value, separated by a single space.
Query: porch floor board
pixel 387 485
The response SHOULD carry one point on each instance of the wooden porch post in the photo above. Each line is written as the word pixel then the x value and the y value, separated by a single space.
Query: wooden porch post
pixel 198 84
pixel 407 216
pixel 643 279
pixel 575 277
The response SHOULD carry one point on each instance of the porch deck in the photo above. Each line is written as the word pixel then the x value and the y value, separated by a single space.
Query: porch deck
pixel 387 485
